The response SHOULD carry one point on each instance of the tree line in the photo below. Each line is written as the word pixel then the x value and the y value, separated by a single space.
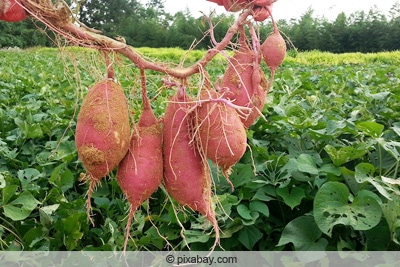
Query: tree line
pixel 151 26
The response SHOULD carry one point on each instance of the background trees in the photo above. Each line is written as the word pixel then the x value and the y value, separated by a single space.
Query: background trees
pixel 150 25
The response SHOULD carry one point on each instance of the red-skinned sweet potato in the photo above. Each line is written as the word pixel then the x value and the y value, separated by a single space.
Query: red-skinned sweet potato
pixel 260 13
pixel 220 132
pixel 186 174
pixel 244 83
pixel 102 132
pixel 141 170
pixel 263 2
pixel 234 5
pixel 273 50
pixel 12 11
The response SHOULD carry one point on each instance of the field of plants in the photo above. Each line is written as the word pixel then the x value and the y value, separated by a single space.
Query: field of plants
pixel 320 171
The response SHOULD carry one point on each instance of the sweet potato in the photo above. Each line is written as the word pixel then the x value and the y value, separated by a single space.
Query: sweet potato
pixel 273 50
pixel 260 13
pixel 102 132
pixel 244 83
pixel 260 87
pixel 218 2
pixel 263 2
pixel 237 79
pixel 220 132
pixel 141 170
pixel 234 5
pixel 187 177
pixel 11 11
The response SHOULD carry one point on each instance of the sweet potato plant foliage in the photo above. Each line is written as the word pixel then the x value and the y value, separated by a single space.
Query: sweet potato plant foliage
pixel 319 171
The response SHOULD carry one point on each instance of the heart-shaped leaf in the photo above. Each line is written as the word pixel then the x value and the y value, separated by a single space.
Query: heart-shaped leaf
pixel 304 234
pixel 21 208
pixel 332 207
pixel 292 198
pixel 306 163
pixel 249 236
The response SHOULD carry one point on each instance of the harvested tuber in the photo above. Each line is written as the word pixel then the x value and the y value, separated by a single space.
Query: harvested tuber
pixel 102 132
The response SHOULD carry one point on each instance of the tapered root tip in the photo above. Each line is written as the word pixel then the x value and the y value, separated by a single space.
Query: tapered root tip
pixel 132 211
pixel 92 186
pixel 213 220
pixel 227 172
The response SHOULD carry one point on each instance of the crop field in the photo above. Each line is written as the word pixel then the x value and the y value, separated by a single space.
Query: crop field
pixel 321 170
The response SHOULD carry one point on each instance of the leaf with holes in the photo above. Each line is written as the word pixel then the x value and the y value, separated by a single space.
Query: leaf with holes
pixel 345 154
pixel 364 172
pixel 370 128
pixel 392 147
pixel 332 207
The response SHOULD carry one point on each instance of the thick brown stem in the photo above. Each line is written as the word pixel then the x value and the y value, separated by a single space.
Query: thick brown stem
pixel 48 14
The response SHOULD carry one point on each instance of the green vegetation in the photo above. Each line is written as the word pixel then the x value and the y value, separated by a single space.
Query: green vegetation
pixel 321 171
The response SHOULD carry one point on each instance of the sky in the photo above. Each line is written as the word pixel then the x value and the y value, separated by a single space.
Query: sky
pixel 287 9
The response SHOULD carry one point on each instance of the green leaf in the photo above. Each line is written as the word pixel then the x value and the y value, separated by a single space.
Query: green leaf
pixel 364 173
pixel 370 128
pixel 71 228
pixel 62 177
pixel 249 217
pixel 332 207
pixel 264 193
pixel 392 147
pixel 345 154
pixel 30 131
pixel 306 163
pixel 293 197
pixel 2 181
pixel 260 207
pixel 379 237
pixel 193 236
pixel 396 128
pixel 8 192
pixel 20 208
pixel 332 126
pixel 303 232
pixel 28 178
pixel 331 169
pixel 249 236
pixel 244 211
pixel 227 201
pixel 349 179
pixel 46 212
pixel 391 211
pixel 233 227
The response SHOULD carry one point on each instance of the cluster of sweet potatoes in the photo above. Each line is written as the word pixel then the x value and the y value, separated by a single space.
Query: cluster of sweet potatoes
pixel 174 151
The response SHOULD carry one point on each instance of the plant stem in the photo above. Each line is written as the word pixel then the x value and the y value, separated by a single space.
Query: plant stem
pixel 57 22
